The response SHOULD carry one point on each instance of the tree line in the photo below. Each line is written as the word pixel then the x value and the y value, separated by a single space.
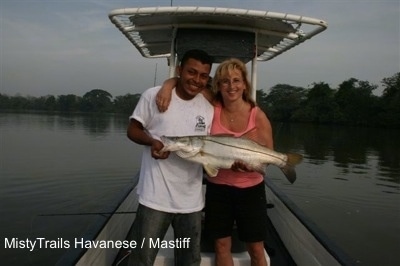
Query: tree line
pixel 94 101
pixel 351 103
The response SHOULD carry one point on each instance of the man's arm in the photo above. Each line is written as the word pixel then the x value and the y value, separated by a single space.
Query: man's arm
pixel 163 98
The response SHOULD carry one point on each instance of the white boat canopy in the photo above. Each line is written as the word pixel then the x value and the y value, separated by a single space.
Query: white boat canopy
pixel 222 32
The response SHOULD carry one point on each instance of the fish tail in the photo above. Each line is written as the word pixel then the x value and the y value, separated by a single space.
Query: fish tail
pixel 292 160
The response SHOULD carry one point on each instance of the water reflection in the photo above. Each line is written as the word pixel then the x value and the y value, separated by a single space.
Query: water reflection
pixel 92 124
pixel 97 125
pixel 59 163
pixel 352 149
pixel 348 183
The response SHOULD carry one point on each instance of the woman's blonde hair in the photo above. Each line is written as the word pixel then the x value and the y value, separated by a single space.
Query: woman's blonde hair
pixel 223 70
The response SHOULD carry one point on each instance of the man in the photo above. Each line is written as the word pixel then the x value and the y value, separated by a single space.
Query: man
pixel 170 188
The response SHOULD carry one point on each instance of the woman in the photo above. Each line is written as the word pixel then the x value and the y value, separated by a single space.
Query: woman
pixel 236 195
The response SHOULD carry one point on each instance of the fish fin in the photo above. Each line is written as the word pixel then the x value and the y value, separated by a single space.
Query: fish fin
pixel 187 153
pixel 292 160
pixel 290 173
pixel 211 170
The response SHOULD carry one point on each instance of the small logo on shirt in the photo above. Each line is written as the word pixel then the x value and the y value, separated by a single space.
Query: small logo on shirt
pixel 200 123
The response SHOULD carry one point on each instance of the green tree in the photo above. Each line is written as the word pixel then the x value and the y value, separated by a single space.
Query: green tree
pixel 261 99
pixel 38 103
pixel 19 102
pixel 319 105
pixel 391 100
pixel 68 103
pixel 126 104
pixel 50 103
pixel 4 102
pixel 97 101
pixel 392 86
pixel 354 99
pixel 283 100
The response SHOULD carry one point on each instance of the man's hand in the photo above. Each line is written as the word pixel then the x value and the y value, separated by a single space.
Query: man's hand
pixel 156 153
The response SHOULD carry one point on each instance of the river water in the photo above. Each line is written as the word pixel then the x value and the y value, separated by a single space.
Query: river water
pixel 348 183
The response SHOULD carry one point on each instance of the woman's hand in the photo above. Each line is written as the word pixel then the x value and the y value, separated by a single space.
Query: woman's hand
pixel 163 98
pixel 239 166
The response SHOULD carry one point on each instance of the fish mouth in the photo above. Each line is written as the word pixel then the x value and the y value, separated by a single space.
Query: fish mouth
pixel 165 139
pixel 171 144
pixel 166 142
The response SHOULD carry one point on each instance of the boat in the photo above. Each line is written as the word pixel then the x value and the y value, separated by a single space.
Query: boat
pixel 252 36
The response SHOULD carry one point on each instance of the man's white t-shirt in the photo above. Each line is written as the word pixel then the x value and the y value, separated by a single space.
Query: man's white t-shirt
pixel 172 185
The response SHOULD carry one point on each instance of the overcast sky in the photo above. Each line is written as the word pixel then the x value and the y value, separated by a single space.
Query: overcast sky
pixel 54 47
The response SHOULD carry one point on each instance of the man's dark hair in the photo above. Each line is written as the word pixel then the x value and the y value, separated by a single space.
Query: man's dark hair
pixel 196 54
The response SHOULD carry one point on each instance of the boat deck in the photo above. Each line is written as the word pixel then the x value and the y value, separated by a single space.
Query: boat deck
pixel 291 238
pixel 275 251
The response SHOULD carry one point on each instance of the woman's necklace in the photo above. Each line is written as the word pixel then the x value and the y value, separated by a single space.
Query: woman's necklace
pixel 231 115
pixel 230 118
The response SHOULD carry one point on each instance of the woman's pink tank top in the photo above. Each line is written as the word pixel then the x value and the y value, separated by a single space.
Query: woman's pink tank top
pixel 227 176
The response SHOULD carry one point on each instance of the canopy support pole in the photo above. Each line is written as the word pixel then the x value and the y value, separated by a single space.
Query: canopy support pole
pixel 254 70
pixel 172 57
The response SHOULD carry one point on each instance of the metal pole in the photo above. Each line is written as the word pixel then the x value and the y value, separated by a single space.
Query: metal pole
pixel 155 76
pixel 254 69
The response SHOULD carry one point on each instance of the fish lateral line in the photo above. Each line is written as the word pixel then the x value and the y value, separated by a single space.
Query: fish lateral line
pixel 244 148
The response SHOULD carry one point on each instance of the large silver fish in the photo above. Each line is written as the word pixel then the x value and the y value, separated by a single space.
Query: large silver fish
pixel 215 152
